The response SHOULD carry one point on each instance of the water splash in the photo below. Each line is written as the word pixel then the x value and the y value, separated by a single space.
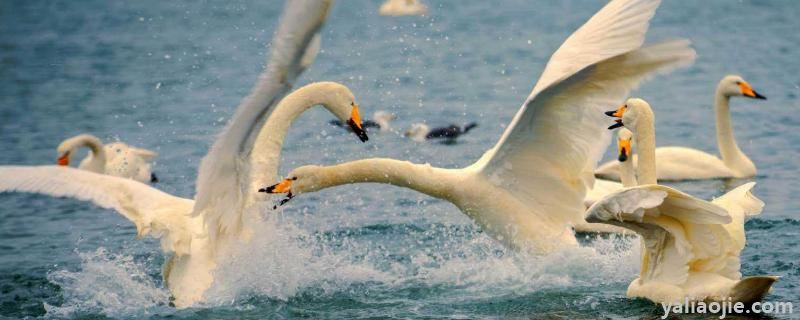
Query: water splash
pixel 107 283
pixel 284 262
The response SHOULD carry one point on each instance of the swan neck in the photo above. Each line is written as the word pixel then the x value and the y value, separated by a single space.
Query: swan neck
pixel 627 174
pixel 645 136
pixel 97 157
pixel 726 141
pixel 265 156
pixel 423 178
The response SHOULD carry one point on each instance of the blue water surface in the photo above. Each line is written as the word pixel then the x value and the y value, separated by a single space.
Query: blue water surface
pixel 167 75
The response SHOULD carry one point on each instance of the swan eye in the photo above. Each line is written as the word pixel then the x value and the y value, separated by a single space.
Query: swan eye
pixel 293 178
pixel 738 83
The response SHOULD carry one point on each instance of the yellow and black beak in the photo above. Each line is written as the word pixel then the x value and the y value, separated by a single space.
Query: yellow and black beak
pixel 284 186
pixel 280 187
pixel 748 91
pixel 356 125
pixel 617 114
pixel 63 160
pixel 624 146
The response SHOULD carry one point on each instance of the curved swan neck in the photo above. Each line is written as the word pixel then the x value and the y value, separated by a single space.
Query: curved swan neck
pixel 97 157
pixel 726 141
pixel 435 182
pixel 267 145
pixel 645 135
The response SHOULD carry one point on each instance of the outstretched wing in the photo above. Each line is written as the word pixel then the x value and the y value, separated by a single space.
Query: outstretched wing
pixel 221 174
pixel 153 212
pixel 680 232
pixel 546 155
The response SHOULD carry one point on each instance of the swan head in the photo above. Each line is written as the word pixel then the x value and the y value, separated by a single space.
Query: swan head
pixel 624 137
pixel 340 101
pixel 300 180
pixel 736 86
pixel 630 114
pixel 68 147
pixel 417 131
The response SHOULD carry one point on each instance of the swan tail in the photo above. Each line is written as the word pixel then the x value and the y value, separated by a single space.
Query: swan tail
pixel 752 289
pixel 741 200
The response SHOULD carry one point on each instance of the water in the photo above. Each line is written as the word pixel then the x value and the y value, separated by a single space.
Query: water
pixel 167 75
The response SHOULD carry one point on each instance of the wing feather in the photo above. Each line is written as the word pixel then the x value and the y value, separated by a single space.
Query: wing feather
pixel 222 175
pixel 548 154
pixel 152 211
pixel 681 233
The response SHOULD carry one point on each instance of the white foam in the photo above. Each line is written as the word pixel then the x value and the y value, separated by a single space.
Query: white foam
pixel 107 283
pixel 283 261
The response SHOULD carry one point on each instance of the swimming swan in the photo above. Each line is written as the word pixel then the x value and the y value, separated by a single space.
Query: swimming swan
pixel 199 232
pixel 116 159
pixel 681 163
pixel 403 8
pixel 528 190
pixel 691 247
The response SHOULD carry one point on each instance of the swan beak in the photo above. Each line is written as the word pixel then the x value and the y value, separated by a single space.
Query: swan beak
pixel 624 146
pixel 617 113
pixel 617 123
pixel 748 91
pixel 356 125
pixel 280 187
pixel 63 160
pixel 284 186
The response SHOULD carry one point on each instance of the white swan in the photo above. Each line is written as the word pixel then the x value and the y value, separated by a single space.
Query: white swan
pixel 690 246
pixel 528 190
pixel 681 163
pixel 116 159
pixel 403 8
pixel 199 240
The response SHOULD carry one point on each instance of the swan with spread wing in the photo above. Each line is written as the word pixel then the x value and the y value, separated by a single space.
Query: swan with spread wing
pixel 691 247
pixel 528 190
pixel 198 232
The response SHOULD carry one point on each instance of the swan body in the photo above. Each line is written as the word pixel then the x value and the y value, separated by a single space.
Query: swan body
pixel 116 159
pixel 691 247
pixel 197 238
pixel 528 190
pixel 403 8
pixel 681 163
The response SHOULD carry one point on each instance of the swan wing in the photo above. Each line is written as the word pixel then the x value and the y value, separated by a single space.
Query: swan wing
pixel 152 211
pixel 222 177
pixel 547 155
pixel 679 231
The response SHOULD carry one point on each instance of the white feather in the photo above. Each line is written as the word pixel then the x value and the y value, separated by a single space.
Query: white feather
pixel 223 176
pixel 153 212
